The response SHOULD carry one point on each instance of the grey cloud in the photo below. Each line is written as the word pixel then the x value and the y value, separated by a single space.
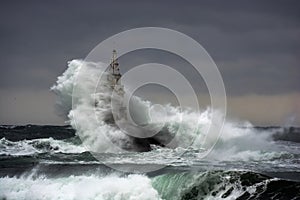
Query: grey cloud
pixel 255 44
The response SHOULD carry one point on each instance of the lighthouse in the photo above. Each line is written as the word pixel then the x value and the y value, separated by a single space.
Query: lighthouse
pixel 115 75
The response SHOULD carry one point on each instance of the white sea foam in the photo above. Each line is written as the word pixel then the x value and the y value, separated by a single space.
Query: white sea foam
pixel 132 187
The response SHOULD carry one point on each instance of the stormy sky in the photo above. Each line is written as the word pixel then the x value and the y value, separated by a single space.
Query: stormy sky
pixel 255 44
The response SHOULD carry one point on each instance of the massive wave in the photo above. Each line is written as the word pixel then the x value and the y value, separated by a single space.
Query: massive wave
pixel 239 140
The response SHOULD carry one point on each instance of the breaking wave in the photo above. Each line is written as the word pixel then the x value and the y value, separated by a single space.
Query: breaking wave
pixel 37 146
pixel 239 140
pixel 132 187
pixel 224 185
pixel 184 186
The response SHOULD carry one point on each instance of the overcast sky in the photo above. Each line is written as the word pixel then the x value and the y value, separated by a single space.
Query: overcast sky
pixel 255 44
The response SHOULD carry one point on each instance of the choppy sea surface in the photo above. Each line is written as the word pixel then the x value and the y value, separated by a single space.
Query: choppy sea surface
pixel 59 162
pixel 50 162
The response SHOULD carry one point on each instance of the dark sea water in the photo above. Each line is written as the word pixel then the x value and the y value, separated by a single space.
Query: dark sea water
pixel 49 162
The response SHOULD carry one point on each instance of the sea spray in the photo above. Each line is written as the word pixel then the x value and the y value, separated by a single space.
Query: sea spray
pixel 96 133
pixel 100 134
